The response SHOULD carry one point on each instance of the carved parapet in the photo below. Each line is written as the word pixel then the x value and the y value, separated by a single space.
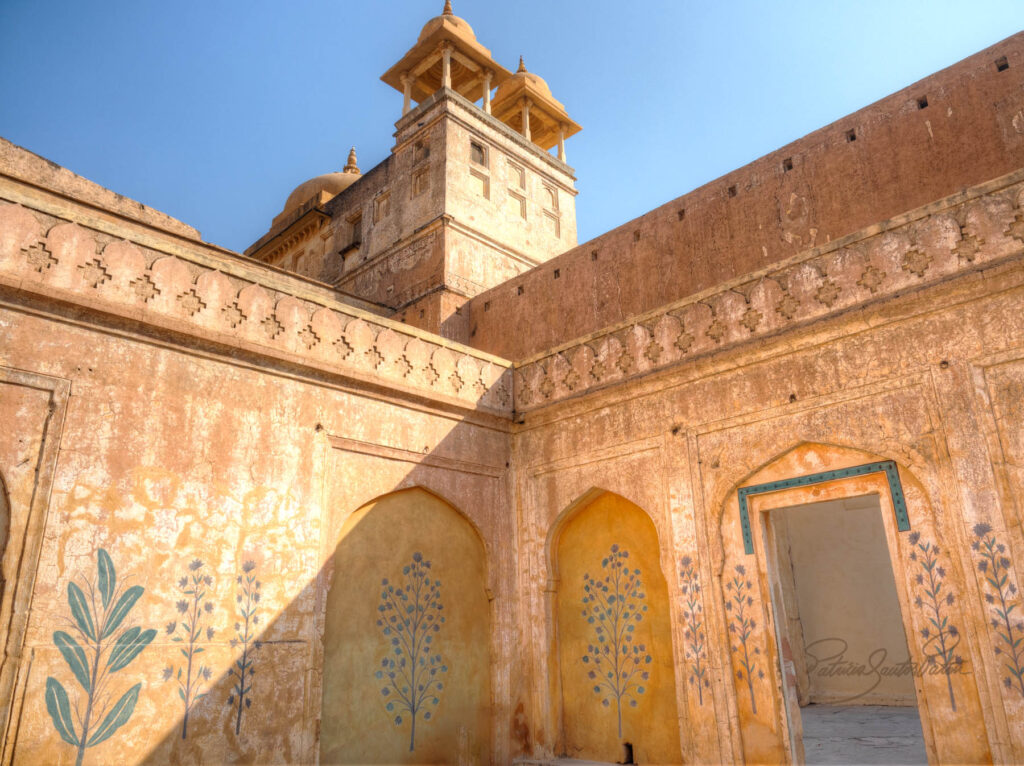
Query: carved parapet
pixel 224 302
pixel 949 238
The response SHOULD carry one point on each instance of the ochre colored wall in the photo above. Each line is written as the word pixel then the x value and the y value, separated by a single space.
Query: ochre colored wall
pixel 589 548
pixel 393 539
pixel 847 603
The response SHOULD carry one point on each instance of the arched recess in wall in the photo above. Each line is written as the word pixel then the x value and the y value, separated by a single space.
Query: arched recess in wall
pixel 615 666
pixel 857 506
pixel 406 674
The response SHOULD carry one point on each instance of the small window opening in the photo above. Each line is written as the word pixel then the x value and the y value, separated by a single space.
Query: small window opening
pixel 593 255
pixel 636 235
pixel 1002 64
pixel 381 206
pixel 477 153
pixel 851 135
pixel 487 305
pixel 558 273
pixel 732 191
pixel 922 103
pixel 519 290
pixel 355 235
pixel 681 214
pixel 423 313
pixel 787 164
pixel 420 182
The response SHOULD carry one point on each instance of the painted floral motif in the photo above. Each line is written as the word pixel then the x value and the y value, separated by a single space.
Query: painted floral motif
pixel 742 626
pixel 613 605
pixel 1003 598
pixel 97 648
pixel 694 636
pixel 409 620
pixel 190 676
pixel 941 637
pixel 247 598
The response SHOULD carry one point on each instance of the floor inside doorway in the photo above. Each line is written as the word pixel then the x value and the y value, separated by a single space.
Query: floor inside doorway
pixel 865 734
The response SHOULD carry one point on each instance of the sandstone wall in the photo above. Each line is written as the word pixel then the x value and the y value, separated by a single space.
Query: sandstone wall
pixel 971 130
pixel 190 432
pixel 191 429
pixel 931 383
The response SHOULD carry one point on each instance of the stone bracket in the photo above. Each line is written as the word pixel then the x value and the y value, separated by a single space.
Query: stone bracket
pixel 899 503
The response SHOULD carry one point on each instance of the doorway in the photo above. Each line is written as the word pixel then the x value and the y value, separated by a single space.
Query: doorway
pixel 846 666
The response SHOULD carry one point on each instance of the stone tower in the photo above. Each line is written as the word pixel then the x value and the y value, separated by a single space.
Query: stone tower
pixel 469 197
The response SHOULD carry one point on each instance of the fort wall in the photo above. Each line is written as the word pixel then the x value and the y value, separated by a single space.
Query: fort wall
pixel 956 128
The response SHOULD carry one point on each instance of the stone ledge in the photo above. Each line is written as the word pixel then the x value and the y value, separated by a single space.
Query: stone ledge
pixel 229 305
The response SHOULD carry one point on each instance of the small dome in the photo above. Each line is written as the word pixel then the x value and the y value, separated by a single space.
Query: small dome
pixel 460 25
pixel 332 183
pixel 521 75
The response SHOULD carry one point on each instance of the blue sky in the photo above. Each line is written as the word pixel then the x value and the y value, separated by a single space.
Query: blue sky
pixel 213 111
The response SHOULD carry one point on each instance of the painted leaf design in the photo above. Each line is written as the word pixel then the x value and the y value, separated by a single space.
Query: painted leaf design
pixel 128 646
pixel 60 711
pixel 75 657
pixel 121 608
pixel 117 717
pixel 80 611
pixel 107 576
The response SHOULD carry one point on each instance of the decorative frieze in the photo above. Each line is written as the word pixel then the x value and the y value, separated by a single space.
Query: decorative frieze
pixel 964 233
pixel 69 261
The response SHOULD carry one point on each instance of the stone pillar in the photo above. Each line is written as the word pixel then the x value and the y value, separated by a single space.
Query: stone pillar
pixel 561 141
pixel 488 74
pixel 446 66
pixel 526 118
pixel 406 93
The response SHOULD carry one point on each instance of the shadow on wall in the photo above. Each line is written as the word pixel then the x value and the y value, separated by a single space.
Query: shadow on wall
pixel 406 668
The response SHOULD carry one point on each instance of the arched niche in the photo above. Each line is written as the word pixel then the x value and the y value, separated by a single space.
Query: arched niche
pixel 828 479
pixel 406 674
pixel 612 638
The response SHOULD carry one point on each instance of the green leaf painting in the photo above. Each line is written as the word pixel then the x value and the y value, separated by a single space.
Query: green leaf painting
pixel 60 711
pixel 93 651
pixel 107 577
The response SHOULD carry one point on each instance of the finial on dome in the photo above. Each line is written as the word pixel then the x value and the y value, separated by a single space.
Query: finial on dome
pixel 447 8
pixel 522 66
pixel 351 166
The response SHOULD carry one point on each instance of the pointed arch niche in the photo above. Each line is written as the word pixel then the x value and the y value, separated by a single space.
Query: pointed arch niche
pixel 407 637
pixel 613 642
pixel 868 590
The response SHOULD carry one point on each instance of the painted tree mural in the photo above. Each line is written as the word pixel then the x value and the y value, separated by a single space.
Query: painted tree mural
pixel 96 648
pixel 247 598
pixel 742 627
pixel 409 620
pixel 1003 597
pixel 941 637
pixel 613 605
pixel 193 609
pixel 693 617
